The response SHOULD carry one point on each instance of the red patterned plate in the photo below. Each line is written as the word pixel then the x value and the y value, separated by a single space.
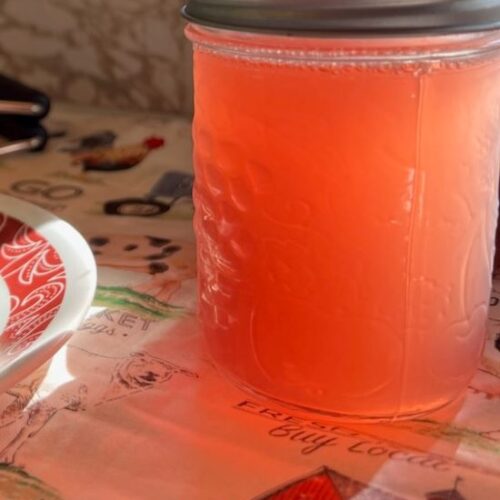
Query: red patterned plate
pixel 47 282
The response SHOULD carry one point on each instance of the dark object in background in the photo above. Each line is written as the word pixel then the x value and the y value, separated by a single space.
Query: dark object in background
pixel 17 99
pixel 21 109
pixel 102 139
pixel 22 134
pixel 172 185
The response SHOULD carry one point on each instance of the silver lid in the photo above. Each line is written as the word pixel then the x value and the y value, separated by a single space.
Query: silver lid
pixel 347 16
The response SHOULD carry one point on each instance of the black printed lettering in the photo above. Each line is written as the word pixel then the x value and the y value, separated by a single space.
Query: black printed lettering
pixel 146 324
pixel 359 447
pixel 297 433
pixel 62 192
pixel 318 443
pixel 107 314
pixel 396 455
pixel 127 320
pixel 294 420
pixel 29 186
pixel 271 413
pixel 284 430
pixel 377 451
pixel 342 431
pixel 441 466
pixel 37 187
pixel 247 406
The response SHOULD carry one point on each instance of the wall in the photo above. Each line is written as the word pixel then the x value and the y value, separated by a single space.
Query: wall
pixel 121 53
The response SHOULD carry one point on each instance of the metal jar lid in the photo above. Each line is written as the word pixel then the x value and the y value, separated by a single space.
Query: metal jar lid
pixel 347 16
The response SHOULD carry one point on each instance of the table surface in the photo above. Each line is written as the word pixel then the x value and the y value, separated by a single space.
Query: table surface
pixel 132 407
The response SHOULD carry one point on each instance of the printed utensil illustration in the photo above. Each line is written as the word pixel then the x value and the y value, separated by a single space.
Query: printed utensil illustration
pixel 172 186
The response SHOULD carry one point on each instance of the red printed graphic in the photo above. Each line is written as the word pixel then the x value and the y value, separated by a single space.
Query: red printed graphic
pixel 34 274
pixel 326 484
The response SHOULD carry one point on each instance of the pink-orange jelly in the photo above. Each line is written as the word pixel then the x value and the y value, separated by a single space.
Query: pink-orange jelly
pixel 345 215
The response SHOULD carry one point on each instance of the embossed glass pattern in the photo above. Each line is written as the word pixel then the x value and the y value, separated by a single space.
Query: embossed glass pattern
pixel 346 201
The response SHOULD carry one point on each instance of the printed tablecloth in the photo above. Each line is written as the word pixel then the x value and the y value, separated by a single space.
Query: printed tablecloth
pixel 132 408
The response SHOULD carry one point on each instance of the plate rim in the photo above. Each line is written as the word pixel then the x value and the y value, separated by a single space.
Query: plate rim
pixel 78 261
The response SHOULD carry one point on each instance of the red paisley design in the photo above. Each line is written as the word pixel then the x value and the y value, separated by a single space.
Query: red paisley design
pixel 34 273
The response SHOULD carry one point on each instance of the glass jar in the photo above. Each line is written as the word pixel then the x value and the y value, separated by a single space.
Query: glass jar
pixel 346 203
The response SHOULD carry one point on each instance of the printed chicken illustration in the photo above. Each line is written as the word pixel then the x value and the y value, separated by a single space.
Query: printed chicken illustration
pixel 112 159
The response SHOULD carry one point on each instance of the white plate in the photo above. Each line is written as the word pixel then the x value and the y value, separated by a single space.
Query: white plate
pixel 47 283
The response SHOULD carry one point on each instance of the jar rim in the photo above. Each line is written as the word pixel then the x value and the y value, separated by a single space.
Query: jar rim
pixel 314 50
